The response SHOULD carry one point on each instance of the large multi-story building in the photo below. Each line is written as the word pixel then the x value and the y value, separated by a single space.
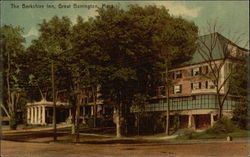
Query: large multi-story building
pixel 192 93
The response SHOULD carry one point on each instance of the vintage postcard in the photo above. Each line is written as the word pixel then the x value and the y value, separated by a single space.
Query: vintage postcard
pixel 124 78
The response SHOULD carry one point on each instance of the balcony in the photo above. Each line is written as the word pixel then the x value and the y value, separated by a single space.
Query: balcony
pixel 190 103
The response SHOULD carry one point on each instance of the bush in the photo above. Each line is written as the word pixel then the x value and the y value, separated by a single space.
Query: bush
pixel 222 126
pixel 13 123
pixel 240 115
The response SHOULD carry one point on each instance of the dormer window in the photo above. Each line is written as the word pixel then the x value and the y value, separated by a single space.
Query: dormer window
pixel 196 71
pixel 178 74
pixel 206 69
pixel 211 84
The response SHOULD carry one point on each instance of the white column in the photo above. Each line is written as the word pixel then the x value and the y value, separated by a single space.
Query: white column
pixel 39 115
pixel 28 115
pixel 32 115
pixel 35 115
pixel 43 115
pixel 92 110
pixel 189 121
pixel 212 119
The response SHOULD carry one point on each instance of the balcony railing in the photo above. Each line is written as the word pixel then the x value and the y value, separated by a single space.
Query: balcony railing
pixel 190 103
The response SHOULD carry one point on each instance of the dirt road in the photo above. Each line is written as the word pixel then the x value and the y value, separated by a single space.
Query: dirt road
pixel 28 149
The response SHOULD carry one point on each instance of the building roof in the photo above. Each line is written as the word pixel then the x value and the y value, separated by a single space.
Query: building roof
pixel 204 44
pixel 44 102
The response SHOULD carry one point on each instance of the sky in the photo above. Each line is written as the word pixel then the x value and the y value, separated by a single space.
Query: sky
pixel 233 16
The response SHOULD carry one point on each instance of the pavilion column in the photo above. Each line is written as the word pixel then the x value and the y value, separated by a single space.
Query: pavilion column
pixel 35 115
pixel 43 115
pixel 212 119
pixel 92 110
pixel 32 115
pixel 28 115
pixel 191 121
pixel 39 115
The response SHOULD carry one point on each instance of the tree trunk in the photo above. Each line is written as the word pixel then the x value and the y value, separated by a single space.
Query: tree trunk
pixel 168 107
pixel 13 124
pixel 220 105
pixel 54 101
pixel 73 114
pixel 95 106
pixel 77 122
pixel 118 124
pixel 138 125
pixel 220 112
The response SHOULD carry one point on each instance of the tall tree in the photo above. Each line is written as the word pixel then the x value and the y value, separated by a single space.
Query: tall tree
pixel 12 48
pixel 170 40
pixel 238 83
pixel 48 51
pixel 129 39
pixel 85 57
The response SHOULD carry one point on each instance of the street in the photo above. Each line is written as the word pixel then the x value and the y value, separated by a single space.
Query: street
pixel 29 149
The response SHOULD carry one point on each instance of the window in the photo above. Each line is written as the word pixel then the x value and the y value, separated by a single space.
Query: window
pixel 206 86
pixel 178 74
pixel 206 69
pixel 196 85
pixel 211 85
pixel 196 71
pixel 177 89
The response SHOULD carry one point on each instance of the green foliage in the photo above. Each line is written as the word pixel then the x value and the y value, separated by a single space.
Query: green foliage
pixel 136 42
pixel 176 122
pixel 191 135
pixel 139 102
pixel 11 43
pixel 238 85
pixel 52 44
pixel 240 115
pixel 222 126
pixel 13 122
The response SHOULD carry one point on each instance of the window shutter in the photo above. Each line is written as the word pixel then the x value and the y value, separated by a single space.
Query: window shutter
pixel 199 85
pixel 199 70
pixel 206 69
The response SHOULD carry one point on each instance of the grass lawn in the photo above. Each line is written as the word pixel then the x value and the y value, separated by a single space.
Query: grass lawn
pixel 204 135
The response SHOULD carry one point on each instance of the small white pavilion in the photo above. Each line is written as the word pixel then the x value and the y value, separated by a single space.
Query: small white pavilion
pixel 41 112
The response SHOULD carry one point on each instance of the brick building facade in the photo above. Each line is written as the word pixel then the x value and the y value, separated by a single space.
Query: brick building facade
pixel 192 95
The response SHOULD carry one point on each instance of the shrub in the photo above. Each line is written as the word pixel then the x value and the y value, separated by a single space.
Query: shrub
pixel 222 126
pixel 240 115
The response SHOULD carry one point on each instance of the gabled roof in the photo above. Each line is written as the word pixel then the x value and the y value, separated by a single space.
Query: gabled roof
pixel 216 40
